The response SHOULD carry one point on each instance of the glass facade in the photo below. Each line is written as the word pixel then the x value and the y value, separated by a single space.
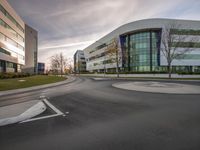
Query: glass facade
pixel 5 65
pixel 12 31
pixel 4 51
pixel 79 62
pixel 12 39
pixel 141 51
pixel 140 48
pixel 12 42
pixel 41 68
pixel 7 14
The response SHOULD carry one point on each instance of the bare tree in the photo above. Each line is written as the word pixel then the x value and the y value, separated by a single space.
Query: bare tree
pixel 113 50
pixel 171 43
pixel 58 63
pixel 68 66
pixel 78 67
pixel 54 64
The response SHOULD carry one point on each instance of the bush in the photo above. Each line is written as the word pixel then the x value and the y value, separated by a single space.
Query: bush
pixel 13 75
pixel 144 72
pixel 189 73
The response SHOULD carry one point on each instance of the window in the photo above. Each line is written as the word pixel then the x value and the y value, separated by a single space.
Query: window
pixel 11 42
pixel 189 56
pixel 2 23
pixel 143 50
pixel 21 57
pixel 20 38
pixel 2 9
pixel 185 32
pixel 9 65
pixel 11 18
pixel 2 37
pixel 4 51
pixel 12 31
pixel 187 44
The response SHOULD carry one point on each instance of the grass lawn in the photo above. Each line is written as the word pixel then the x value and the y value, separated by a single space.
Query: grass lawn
pixel 9 84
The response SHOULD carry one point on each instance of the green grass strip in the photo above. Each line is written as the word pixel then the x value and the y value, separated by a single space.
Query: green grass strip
pixel 17 83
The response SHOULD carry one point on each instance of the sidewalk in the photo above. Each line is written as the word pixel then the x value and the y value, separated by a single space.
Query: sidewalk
pixel 19 112
pixel 9 92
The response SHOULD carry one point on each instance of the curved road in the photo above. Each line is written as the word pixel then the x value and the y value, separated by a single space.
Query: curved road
pixel 101 117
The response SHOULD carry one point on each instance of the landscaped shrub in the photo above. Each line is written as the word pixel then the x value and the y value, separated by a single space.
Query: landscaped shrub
pixel 13 75
pixel 189 73
pixel 147 72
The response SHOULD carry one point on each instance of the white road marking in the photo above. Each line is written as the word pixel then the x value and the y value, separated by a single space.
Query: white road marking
pixel 40 118
pixel 58 112
pixel 53 107
pixel 42 97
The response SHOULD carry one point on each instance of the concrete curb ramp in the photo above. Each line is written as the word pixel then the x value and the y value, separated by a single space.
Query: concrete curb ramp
pixel 20 112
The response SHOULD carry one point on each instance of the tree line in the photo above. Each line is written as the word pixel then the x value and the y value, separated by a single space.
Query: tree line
pixel 60 65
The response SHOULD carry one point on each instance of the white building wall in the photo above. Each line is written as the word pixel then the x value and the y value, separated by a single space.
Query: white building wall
pixel 184 62
pixel 139 26
pixel 15 46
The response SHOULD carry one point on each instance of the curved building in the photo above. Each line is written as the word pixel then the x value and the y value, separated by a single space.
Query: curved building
pixel 140 46
pixel 12 39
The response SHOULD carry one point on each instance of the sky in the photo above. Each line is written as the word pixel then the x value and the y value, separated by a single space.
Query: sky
pixel 68 25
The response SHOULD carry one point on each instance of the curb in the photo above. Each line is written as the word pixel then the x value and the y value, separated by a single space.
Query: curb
pixel 158 87
pixel 33 111
pixel 34 88
pixel 140 78
pixel 154 79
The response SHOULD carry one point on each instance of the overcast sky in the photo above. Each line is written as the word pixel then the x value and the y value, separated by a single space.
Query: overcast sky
pixel 68 25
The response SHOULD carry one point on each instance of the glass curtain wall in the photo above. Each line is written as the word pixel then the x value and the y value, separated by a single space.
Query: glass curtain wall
pixel 141 51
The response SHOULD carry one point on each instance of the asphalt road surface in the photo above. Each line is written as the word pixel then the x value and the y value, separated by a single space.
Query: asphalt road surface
pixel 101 117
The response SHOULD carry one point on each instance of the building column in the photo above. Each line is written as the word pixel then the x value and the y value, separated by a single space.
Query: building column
pixel 129 67
pixel 151 51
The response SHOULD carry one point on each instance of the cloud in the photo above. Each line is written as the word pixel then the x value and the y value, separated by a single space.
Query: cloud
pixel 67 45
pixel 68 25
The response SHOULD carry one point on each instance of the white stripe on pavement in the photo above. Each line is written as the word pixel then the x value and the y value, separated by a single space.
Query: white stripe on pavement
pixel 58 112
pixel 53 107
pixel 40 118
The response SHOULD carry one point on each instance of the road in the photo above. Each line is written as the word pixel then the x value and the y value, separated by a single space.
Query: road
pixel 101 117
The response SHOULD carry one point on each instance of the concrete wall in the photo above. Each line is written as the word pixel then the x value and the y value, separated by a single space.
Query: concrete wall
pixel 31 50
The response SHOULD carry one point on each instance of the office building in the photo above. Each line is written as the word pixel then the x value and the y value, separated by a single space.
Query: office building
pixel 31 50
pixel 79 62
pixel 140 47
pixel 12 39
pixel 41 68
